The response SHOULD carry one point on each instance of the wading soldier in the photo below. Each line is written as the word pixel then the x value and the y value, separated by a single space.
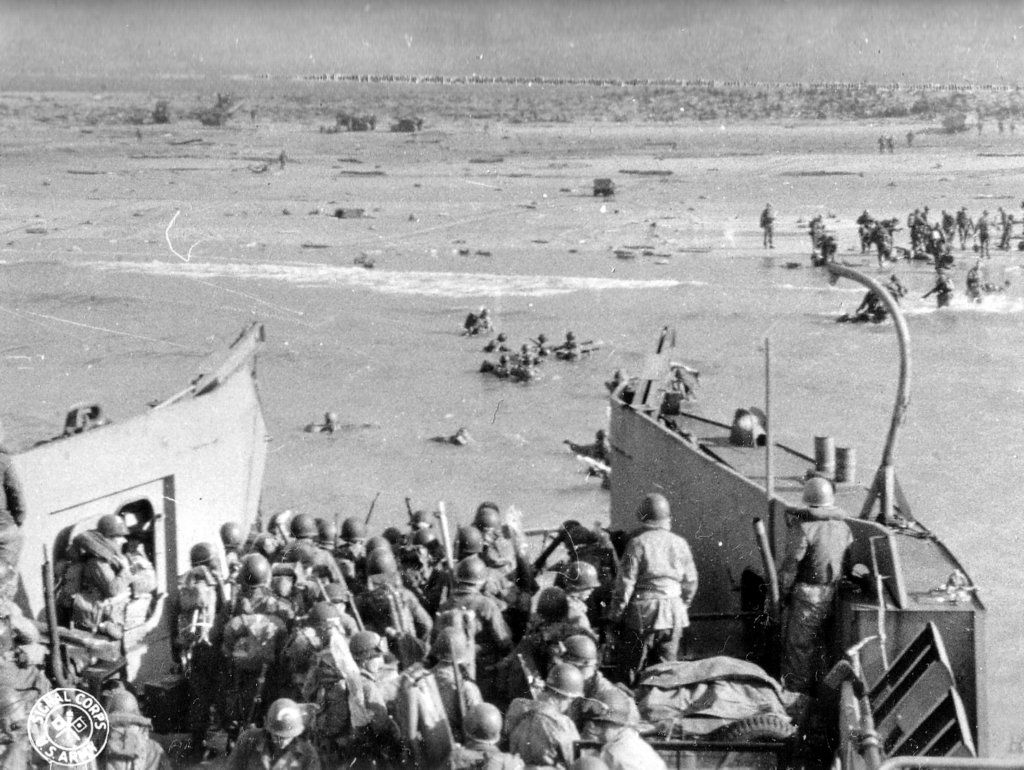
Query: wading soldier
pixel 768 226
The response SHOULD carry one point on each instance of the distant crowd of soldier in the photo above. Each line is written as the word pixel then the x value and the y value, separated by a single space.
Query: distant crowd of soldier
pixel 521 365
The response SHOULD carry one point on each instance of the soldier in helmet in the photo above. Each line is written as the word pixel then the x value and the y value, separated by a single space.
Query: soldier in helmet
pixel 12 508
pixel 497 345
pixel 491 635
pixel 280 743
pixel 327 534
pixel 479 749
pixel 200 610
pixel 105 583
pixel 548 627
pixel 579 580
pixel 568 350
pixel 232 539
pixel 451 649
pixel 351 553
pixel 304 530
pixel 943 288
pixel 581 651
pixel 129 745
pixel 613 722
pixel 279 527
pixel 541 346
pixel 379 738
pixel 816 545
pixel 768 226
pixel 251 643
pixel 539 730
pixel 392 610
pixel 654 588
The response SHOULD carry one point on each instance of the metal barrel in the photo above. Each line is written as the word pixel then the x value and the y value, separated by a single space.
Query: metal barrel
pixel 846 465
pixel 825 455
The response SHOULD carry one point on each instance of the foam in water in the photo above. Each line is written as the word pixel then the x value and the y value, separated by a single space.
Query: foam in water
pixel 391 282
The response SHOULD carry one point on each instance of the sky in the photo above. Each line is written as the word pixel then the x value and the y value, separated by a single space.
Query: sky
pixel 913 41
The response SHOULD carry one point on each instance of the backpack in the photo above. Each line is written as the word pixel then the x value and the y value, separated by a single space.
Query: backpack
pixel 197 603
pixel 252 641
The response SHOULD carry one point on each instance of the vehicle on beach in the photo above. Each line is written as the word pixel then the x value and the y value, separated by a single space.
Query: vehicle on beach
pixel 176 473
pixel 909 635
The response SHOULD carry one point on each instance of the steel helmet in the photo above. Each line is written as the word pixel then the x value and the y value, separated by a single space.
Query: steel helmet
pixel 353 529
pixel 366 644
pixel 201 554
pixel 502 337
pixel 255 570
pixel 654 509
pixel 393 535
pixel 818 492
pixel 381 562
pixel 285 719
pixel 488 516
pixel 377 543
pixel 419 520
pixel 483 723
pixel 280 521
pixel 231 534
pixel 112 525
pixel 580 650
pixel 566 680
pixel 304 526
pixel 266 545
pixel 469 541
pixel 326 531
pixel 121 701
pixel 324 613
pixel 542 338
pixel 471 571
pixel 450 645
pixel 581 576
pixel 552 604
pixel 424 537
pixel 570 335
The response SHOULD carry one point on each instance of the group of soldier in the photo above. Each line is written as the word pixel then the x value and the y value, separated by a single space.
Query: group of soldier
pixel 521 365
pixel 403 648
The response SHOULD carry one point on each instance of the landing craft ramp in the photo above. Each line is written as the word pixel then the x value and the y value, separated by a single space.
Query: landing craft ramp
pixel 176 472
pixel 717 488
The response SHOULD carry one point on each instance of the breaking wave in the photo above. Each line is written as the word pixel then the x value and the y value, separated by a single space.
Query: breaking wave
pixel 392 282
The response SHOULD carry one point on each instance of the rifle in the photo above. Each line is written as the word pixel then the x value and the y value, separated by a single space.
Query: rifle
pixel 460 706
pixel 261 682
pixel 446 540
pixel 408 510
pixel 369 513
pixel 58 663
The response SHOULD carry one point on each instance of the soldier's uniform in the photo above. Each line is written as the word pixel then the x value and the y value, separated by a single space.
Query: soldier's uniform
pixel 386 607
pixel 12 509
pixel 540 734
pixel 255 750
pixel 964 227
pixel 657 582
pixel 491 634
pixel 983 235
pixel 451 694
pixel 129 746
pixel 480 755
pixel 816 547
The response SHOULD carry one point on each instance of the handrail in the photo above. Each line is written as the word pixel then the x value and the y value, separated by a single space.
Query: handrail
pixel 951 763
pixel 886 468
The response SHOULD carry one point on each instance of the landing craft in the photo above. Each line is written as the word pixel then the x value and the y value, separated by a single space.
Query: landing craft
pixel 176 473
pixel 910 623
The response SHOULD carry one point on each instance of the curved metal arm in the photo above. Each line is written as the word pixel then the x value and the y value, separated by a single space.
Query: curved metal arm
pixel 903 387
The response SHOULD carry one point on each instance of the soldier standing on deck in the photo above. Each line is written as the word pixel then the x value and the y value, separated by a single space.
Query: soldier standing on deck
pixel 654 588
pixel 816 547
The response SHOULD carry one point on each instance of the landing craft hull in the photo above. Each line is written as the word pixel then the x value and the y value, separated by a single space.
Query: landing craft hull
pixel 716 489
pixel 181 470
